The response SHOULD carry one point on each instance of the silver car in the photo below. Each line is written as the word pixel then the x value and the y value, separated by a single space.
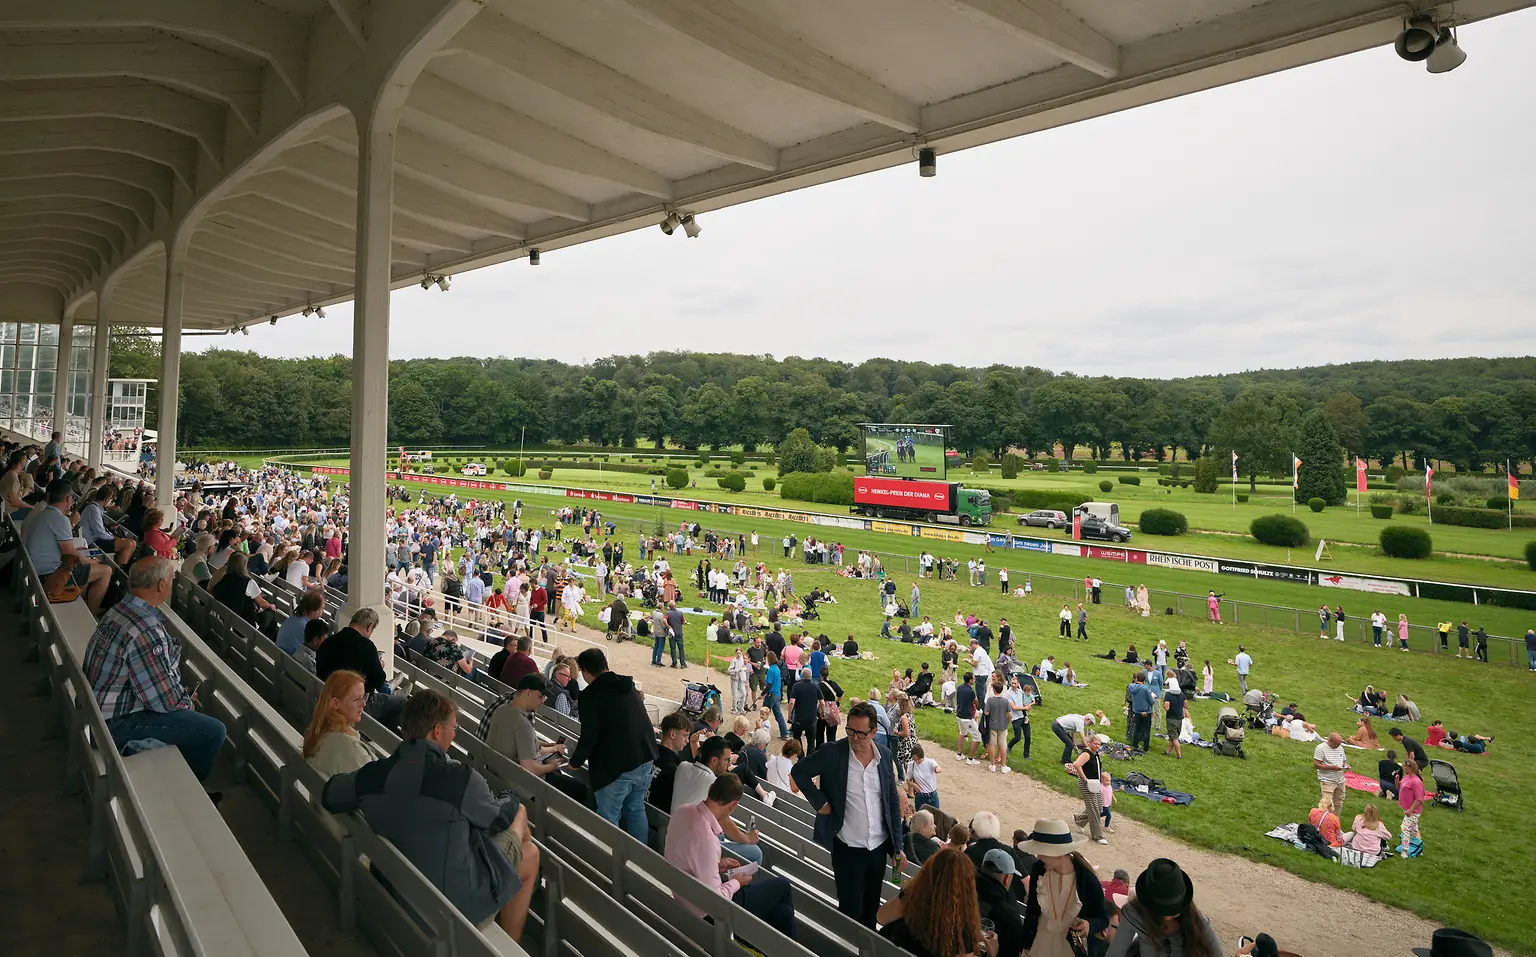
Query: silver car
pixel 1044 517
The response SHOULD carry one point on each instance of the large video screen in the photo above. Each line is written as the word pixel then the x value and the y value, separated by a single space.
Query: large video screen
pixel 911 451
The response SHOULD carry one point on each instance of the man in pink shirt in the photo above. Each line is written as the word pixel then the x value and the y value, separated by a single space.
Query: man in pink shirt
pixel 693 846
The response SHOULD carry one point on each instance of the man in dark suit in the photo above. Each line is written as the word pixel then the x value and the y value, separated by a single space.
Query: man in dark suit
pixel 859 811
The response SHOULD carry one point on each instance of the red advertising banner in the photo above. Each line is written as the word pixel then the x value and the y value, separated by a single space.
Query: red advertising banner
pixel 902 494
pixel 1360 475
pixel 684 503
pixel 1118 554
pixel 1077 526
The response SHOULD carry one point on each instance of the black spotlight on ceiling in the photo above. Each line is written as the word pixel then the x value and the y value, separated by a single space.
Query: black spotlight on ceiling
pixel 320 311
pixel 273 321
pixel 533 256
pixel 927 162
pixel 1448 54
pixel 1418 39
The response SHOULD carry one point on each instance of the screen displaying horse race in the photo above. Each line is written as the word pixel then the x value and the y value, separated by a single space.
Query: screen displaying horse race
pixel 911 451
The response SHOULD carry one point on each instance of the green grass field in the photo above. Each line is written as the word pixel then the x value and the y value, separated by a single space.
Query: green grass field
pixel 1487 557
pixel 1477 863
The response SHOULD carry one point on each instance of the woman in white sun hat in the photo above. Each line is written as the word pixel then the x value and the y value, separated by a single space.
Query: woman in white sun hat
pixel 1065 898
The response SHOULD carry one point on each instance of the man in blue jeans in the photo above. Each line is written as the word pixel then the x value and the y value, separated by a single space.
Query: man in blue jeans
pixel 134 666
pixel 1530 648
pixel 617 744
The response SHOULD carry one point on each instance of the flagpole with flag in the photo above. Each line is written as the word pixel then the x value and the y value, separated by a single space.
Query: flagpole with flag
pixel 1429 475
pixel 1234 479
pixel 1359 483
pixel 1295 480
pixel 1514 492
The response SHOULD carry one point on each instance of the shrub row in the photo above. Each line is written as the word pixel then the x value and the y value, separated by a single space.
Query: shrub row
pixel 1282 530
pixel 1163 521
pixel 593 466
pixel 828 488
pixel 1480 518
pixel 1405 541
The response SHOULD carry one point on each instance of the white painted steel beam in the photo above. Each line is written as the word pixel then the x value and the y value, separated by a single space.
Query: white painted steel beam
pixel 168 60
pixel 337 170
pixel 236 247
pixel 301 195
pixel 418 157
pixel 257 29
pixel 58 236
pixel 271 229
pixel 171 150
pixel 758 44
pixel 435 102
pixel 118 225
pixel 147 103
pixel 14 252
pixel 152 178
pixel 504 45
pixel 71 186
pixel 1045 24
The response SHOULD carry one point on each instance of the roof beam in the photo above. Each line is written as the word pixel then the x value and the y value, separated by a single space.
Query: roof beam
pixel 12 262
pixel 418 200
pixel 1044 24
pixel 233 246
pixel 268 231
pixel 153 178
pixel 286 189
pixel 420 158
pixel 173 151
pixel 148 103
pixel 244 24
pixel 50 279
pixel 758 44
pixel 351 13
pixel 502 127
pixel 45 210
pixel 67 223
pixel 81 187
pixel 61 237
pixel 300 278
pixel 505 45
pixel 68 255
pixel 167 60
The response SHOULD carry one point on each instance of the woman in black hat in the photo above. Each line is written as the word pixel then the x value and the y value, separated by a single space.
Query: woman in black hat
pixel 1162 920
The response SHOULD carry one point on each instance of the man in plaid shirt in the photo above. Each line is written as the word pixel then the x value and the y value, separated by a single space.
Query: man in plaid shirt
pixel 134 667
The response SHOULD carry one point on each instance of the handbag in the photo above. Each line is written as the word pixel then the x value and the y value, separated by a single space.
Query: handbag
pixel 830 713
pixel 60 585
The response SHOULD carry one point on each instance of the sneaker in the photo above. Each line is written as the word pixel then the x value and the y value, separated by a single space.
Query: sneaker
pixel 959 756
pixel 991 769
pixel 1108 829
pixel 973 761
pixel 1007 769
pixel 1101 840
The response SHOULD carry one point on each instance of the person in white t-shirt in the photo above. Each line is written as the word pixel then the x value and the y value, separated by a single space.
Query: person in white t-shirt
pixel 924 775
pixel 298 571
pixel 1378 625
pixel 780 764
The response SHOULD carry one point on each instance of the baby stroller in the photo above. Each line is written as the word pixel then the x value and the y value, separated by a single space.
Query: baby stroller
pixel 1447 784
pixel 698 698
pixel 809 613
pixel 1228 739
pixel 1259 706
pixel 649 595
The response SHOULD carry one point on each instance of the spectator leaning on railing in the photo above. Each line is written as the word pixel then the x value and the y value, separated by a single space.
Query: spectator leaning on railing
pixel 134 666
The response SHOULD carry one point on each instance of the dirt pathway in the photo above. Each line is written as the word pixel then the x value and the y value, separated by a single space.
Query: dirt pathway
pixel 1240 896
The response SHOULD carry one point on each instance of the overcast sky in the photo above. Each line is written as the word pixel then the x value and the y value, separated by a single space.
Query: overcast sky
pixel 1355 209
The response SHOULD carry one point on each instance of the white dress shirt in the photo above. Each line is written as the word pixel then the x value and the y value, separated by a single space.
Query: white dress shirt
pixel 863 811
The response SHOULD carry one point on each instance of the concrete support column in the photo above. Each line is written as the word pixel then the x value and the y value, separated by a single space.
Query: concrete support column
pixel 170 379
pixel 370 374
pixel 61 381
pixel 96 432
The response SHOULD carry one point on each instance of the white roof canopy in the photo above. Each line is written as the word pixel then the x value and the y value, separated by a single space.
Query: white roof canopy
pixel 227 127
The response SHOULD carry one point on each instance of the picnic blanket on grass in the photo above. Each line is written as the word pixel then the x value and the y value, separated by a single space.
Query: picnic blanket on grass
pixel 1160 794
pixel 1347 856
pixel 1359 782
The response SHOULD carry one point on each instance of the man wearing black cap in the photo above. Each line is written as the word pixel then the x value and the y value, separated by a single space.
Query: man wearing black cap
pixel 1451 942
pixel 994 893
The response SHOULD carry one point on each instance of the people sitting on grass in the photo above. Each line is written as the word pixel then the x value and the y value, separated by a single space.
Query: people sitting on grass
pixel 1466 743
pixel 1324 818
pixel 1296 729
pixel 1364 736
pixel 1369 835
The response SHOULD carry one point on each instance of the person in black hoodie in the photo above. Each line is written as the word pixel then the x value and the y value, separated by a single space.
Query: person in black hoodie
pixel 617 743
pixel 352 649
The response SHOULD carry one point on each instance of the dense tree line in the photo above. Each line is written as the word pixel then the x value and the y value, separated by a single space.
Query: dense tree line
pixel 1469 412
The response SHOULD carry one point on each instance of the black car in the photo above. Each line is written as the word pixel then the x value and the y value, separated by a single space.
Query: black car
pixel 1096 528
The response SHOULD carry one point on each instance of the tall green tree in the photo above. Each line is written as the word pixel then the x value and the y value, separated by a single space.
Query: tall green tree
pixel 797 453
pixel 1350 421
pixel 1322 460
pixel 1261 427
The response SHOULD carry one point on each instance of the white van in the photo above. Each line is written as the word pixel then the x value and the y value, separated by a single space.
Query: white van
pixel 472 468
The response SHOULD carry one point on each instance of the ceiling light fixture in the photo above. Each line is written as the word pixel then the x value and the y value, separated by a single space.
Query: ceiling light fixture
pixel 1417 41
pixel 320 312
pixel 1448 54
pixel 443 281
pixel 670 223
pixel 927 162
pixel 691 227
pixel 533 256
pixel 309 311
pixel 273 320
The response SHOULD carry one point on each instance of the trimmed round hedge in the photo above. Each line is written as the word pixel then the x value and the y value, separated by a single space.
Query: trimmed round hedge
pixel 1381 511
pixel 1105 485
pixel 732 482
pixel 677 478
pixel 546 474
pixel 768 483
pixel 1090 467
pixel 1403 541
pixel 1282 530
pixel 1130 480
pixel 1163 521
pixel 1316 504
